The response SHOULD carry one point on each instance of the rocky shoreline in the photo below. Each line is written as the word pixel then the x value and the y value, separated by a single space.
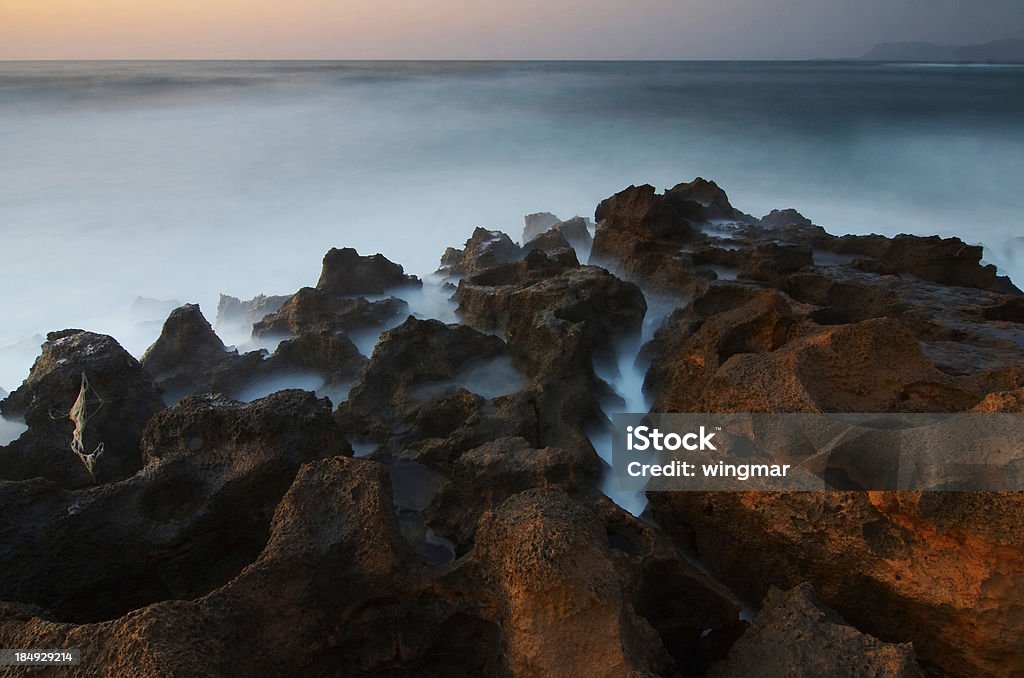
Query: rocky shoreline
pixel 444 514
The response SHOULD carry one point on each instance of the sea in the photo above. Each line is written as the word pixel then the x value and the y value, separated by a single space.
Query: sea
pixel 129 187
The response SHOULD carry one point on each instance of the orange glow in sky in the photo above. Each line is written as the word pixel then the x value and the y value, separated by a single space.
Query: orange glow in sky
pixel 369 29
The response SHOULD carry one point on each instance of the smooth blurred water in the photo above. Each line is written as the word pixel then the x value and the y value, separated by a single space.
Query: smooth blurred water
pixel 180 180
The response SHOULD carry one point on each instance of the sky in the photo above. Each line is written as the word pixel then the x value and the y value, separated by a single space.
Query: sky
pixel 490 29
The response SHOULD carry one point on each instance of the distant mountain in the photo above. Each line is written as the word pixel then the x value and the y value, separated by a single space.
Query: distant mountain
pixel 1010 50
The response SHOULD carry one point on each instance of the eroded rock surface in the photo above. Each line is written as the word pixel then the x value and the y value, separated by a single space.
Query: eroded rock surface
pixel 189 521
pixel 346 273
pixel 794 634
pixel 474 538
pixel 120 399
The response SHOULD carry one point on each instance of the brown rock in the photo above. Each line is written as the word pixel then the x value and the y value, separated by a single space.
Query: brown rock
pixel 484 249
pixel 928 568
pixel 563 608
pixel 346 273
pixel 311 309
pixel 794 634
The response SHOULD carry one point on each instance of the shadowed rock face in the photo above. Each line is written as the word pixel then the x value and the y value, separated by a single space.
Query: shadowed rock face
pixel 237 538
pixel 483 250
pixel 795 635
pixel 346 273
pixel 186 523
pixel 189 358
pixel 415 353
pixel 575 231
pixel 559 317
pixel 310 309
pixel 122 398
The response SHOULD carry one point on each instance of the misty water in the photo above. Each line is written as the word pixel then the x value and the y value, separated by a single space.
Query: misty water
pixel 178 181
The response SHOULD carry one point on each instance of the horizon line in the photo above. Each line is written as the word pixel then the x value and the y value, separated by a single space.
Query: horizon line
pixel 443 59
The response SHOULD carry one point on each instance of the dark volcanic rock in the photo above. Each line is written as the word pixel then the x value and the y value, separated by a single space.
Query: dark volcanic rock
pixel 346 273
pixel 558 317
pixel 548 241
pixel 188 357
pixel 645 236
pixel 778 219
pixel 475 539
pixel 331 354
pixel 794 634
pixel 576 231
pixel 120 401
pixel 416 353
pixel 948 261
pixel 187 523
pixel 484 477
pixel 334 591
pixel 483 250
pixel 311 309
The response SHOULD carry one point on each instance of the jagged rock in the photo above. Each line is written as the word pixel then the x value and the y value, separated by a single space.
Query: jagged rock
pixel 1009 309
pixel 655 240
pixel 415 353
pixel 335 590
pixel 1007 402
pixel 739 349
pixel 794 634
pixel 120 400
pixel 576 231
pixel 550 576
pixel 346 273
pixel 510 298
pixel 311 309
pixel 640 235
pixel 188 522
pixel 947 261
pixel 679 601
pixel 483 250
pixel 445 428
pixel 777 219
pixel 331 354
pixel 484 477
pixel 235 312
pixel 538 223
pixel 927 568
pixel 548 241
pixel 188 357
pixel 563 607
pixel 769 261
pixel 558 317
